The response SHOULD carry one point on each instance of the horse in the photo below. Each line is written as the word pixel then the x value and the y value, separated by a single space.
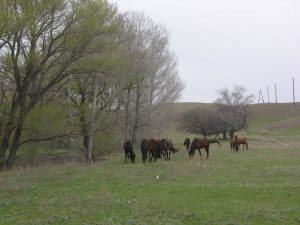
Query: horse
pixel 232 144
pixel 239 141
pixel 151 146
pixel 165 147
pixel 187 143
pixel 199 144
pixel 129 152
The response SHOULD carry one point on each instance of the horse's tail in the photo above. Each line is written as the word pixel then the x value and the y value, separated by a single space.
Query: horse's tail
pixel 215 141
pixel 144 150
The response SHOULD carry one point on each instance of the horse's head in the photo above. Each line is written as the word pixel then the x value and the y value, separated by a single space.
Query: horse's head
pixel 191 154
pixel 174 150
pixel 132 157
pixel 187 143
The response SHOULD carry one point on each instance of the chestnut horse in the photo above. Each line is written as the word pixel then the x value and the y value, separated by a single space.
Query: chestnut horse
pixel 165 147
pixel 151 146
pixel 232 144
pixel 199 144
pixel 187 143
pixel 129 152
pixel 240 141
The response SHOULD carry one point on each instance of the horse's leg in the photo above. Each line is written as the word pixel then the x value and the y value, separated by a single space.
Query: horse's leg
pixel 150 156
pixel 200 153
pixel 207 152
pixel 125 157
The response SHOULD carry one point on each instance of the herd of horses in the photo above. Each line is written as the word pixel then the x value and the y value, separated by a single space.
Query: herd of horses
pixel 154 148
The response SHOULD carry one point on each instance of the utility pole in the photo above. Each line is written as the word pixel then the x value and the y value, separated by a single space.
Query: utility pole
pixel 275 93
pixel 260 96
pixel 294 99
pixel 268 94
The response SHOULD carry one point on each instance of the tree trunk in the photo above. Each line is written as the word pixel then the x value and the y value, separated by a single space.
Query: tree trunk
pixel 10 125
pixel 89 151
pixel 16 142
pixel 224 135
pixel 127 110
pixel 137 116
pixel 231 133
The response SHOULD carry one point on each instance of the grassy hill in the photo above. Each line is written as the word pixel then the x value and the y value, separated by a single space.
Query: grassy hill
pixel 266 119
pixel 256 186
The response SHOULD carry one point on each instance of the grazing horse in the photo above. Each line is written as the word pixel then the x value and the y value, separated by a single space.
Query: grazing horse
pixel 129 152
pixel 187 143
pixel 151 146
pixel 240 141
pixel 165 147
pixel 199 144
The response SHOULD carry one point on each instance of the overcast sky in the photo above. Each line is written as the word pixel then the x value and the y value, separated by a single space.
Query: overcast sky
pixel 221 43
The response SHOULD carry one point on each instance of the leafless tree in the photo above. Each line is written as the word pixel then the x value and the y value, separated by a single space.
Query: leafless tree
pixel 200 121
pixel 233 105
pixel 153 79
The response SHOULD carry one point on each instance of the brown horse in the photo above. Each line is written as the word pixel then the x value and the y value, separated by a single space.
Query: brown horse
pixel 198 144
pixel 232 144
pixel 240 141
pixel 187 143
pixel 151 146
pixel 165 148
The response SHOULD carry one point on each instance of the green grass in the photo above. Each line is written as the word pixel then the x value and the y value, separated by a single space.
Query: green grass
pixel 258 186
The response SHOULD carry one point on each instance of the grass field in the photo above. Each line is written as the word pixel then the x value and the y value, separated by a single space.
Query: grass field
pixel 256 186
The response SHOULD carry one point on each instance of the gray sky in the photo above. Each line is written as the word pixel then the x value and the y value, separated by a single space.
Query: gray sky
pixel 221 43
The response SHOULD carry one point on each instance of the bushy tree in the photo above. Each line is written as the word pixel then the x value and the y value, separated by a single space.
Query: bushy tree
pixel 40 48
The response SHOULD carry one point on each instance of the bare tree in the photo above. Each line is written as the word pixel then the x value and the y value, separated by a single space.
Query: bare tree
pixel 233 105
pixel 200 121
pixel 153 80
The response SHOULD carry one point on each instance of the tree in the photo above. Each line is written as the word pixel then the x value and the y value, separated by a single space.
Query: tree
pixel 152 77
pixel 200 121
pixel 233 106
pixel 41 45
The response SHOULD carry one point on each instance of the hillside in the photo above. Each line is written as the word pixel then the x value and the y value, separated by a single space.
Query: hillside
pixel 266 119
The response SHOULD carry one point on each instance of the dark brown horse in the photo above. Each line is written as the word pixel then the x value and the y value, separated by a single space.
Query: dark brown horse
pixel 129 152
pixel 187 143
pixel 240 141
pixel 150 146
pixel 198 144
pixel 165 147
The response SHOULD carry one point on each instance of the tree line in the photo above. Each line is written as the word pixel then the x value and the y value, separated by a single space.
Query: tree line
pixel 79 70
pixel 230 115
